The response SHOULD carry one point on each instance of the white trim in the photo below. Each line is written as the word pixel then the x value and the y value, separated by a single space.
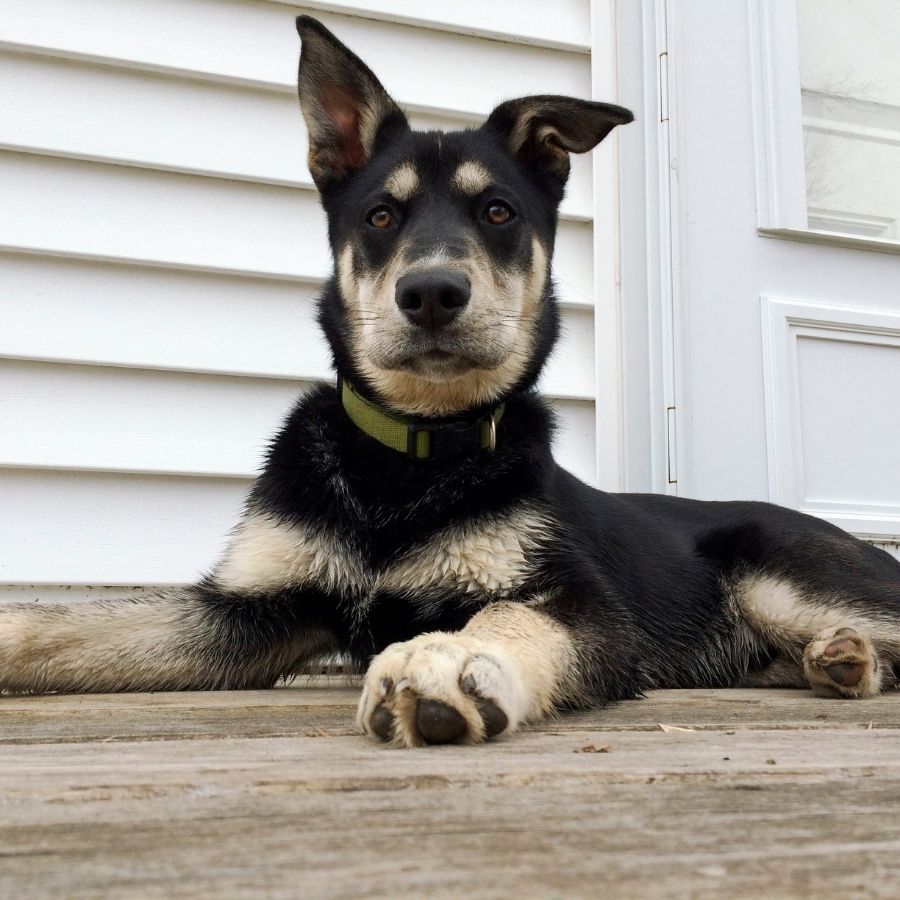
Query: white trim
pixel 832 239
pixel 672 464
pixel 777 115
pixel 783 323
pixel 610 420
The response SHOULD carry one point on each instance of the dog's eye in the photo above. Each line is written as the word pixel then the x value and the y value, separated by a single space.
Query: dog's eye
pixel 380 217
pixel 498 213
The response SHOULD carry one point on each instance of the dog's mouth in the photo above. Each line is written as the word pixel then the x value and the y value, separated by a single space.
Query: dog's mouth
pixel 441 355
pixel 438 362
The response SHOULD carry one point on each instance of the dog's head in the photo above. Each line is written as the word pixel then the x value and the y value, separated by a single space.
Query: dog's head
pixel 441 300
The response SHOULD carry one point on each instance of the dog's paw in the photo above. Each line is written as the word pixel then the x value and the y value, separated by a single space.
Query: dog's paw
pixel 842 663
pixel 440 689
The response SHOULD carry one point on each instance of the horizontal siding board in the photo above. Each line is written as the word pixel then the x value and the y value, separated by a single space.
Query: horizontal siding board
pixel 78 311
pixel 68 206
pixel 161 247
pixel 524 21
pixel 66 109
pixel 96 528
pixel 70 311
pixel 137 420
pixel 133 420
pixel 256 44
pixel 93 528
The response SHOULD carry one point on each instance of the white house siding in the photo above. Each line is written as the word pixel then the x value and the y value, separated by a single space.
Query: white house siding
pixel 161 246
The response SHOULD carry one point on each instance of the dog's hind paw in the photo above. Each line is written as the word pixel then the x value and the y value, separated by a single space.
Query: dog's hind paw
pixel 441 689
pixel 842 663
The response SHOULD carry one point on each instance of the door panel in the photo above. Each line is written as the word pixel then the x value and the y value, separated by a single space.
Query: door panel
pixel 795 400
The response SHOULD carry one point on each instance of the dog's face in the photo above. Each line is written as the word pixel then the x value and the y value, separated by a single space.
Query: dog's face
pixel 441 300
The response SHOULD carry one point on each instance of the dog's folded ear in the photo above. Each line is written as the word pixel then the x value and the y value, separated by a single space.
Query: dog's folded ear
pixel 345 107
pixel 542 131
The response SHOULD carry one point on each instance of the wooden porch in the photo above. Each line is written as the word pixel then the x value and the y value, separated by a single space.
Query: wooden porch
pixel 274 794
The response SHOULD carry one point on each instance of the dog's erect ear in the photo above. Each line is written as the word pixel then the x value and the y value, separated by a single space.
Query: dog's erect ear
pixel 542 131
pixel 343 103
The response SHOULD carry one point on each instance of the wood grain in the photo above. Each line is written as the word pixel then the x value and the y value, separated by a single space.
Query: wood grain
pixel 273 793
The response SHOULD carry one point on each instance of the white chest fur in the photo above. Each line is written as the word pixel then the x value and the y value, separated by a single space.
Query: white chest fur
pixel 490 556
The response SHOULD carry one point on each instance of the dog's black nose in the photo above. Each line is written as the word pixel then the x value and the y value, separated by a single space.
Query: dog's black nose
pixel 433 298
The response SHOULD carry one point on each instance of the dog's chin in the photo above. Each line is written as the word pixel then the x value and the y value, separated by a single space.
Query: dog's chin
pixel 436 361
pixel 439 365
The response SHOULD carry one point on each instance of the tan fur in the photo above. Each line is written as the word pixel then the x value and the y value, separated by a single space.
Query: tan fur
pixel 403 183
pixel 266 554
pixel 471 178
pixel 547 135
pixel 159 642
pixel 802 627
pixel 493 556
pixel 517 657
pixel 500 322
pixel 777 610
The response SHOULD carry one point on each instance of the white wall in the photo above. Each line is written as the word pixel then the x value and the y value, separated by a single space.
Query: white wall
pixel 161 246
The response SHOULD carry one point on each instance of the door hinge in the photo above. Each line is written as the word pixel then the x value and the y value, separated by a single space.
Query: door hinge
pixel 671 448
pixel 662 68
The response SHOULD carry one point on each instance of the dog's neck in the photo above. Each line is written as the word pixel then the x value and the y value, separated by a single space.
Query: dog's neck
pixel 422 439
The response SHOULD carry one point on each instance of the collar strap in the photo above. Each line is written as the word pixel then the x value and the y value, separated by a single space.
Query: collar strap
pixel 420 438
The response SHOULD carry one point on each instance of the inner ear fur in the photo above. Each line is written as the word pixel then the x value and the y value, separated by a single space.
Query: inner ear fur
pixel 345 106
pixel 542 131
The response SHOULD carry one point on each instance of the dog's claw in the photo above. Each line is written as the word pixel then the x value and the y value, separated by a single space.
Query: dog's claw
pixel 439 723
pixel 495 720
pixel 382 722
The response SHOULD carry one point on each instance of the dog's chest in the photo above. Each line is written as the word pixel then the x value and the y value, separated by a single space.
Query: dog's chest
pixel 487 557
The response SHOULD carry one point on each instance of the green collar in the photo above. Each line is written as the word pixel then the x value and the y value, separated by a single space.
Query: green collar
pixel 420 438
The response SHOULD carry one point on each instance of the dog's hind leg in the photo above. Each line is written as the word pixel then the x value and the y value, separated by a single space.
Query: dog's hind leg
pixel 196 638
pixel 840 646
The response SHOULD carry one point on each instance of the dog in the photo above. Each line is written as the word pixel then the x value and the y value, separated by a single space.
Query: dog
pixel 412 518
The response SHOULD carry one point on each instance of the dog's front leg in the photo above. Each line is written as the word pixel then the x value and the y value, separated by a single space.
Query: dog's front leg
pixel 197 638
pixel 512 663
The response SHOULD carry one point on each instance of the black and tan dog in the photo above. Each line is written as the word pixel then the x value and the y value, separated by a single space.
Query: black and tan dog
pixel 414 519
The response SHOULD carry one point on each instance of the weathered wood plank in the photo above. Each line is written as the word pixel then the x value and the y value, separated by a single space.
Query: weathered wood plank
pixel 330 705
pixel 229 795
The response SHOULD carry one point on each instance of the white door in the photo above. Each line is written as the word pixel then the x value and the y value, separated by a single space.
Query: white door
pixel 778 276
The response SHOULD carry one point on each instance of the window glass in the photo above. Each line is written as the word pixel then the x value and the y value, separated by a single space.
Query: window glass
pixel 850 88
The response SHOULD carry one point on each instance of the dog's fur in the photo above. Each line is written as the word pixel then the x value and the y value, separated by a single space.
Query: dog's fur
pixel 482 588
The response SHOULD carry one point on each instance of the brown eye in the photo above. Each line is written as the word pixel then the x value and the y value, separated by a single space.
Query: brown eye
pixel 380 217
pixel 498 213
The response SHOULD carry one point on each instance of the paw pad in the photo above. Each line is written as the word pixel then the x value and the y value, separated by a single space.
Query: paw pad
pixel 439 723
pixel 842 663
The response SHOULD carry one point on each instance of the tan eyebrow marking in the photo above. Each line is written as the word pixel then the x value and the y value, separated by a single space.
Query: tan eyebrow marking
pixel 403 183
pixel 471 178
